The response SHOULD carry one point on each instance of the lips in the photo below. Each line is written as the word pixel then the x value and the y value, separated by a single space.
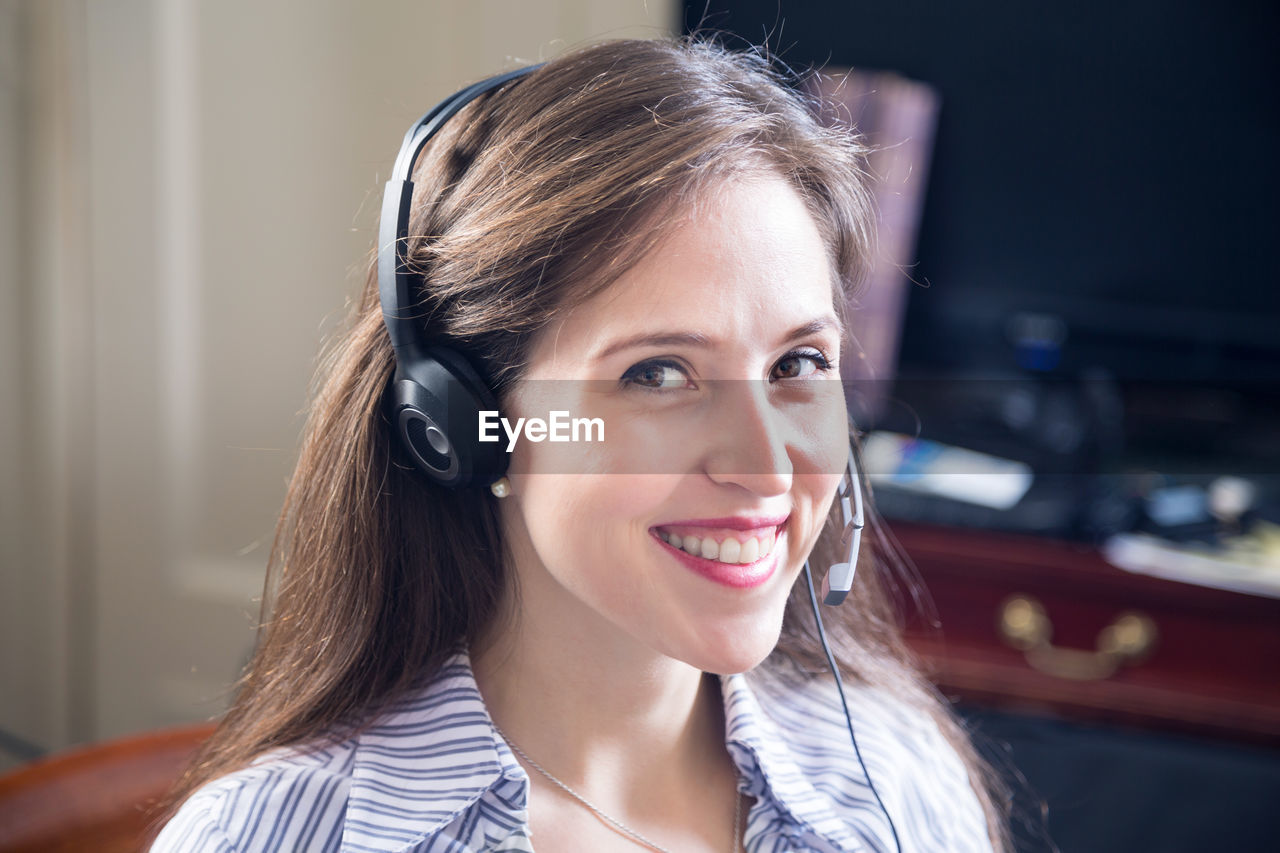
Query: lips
pixel 735 552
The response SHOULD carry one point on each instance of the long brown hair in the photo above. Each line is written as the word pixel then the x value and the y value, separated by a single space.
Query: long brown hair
pixel 533 198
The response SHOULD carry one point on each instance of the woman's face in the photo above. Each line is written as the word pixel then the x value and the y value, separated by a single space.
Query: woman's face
pixel 712 365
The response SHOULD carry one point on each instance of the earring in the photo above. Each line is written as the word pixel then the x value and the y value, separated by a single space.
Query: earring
pixel 500 487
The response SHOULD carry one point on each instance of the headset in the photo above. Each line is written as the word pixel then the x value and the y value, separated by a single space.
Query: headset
pixel 436 395
pixel 839 579
pixel 835 588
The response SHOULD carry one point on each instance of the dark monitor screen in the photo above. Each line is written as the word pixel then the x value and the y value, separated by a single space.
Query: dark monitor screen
pixel 1109 165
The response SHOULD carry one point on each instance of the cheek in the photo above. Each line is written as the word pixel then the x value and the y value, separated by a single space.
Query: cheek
pixel 823 441
pixel 586 526
pixel 829 458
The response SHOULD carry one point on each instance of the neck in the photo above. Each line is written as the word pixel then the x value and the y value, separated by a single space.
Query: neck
pixel 589 701
pixel 639 733
pixel 586 705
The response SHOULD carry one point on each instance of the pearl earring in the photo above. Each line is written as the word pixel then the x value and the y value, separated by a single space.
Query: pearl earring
pixel 500 487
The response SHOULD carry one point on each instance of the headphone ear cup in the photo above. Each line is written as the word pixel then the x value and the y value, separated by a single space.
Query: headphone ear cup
pixel 436 405
pixel 422 436
pixel 456 364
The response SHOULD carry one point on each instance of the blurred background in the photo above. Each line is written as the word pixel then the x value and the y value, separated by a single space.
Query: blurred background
pixel 1071 391
pixel 1071 381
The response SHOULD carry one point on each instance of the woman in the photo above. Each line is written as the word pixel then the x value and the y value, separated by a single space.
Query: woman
pixel 655 238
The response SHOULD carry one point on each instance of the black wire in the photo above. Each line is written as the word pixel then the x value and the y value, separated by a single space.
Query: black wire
pixel 848 717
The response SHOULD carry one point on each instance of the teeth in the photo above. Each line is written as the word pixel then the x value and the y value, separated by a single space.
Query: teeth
pixel 767 541
pixel 728 551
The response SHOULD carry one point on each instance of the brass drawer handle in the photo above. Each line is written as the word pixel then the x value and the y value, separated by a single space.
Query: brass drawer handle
pixel 1025 626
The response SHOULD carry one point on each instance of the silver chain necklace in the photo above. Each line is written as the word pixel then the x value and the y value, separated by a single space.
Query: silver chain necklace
pixel 617 824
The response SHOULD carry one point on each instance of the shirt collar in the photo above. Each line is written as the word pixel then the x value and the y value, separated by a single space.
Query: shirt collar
pixel 436 754
pixel 431 757
pixel 759 749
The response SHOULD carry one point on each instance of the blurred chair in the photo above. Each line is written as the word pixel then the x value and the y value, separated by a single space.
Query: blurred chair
pixel 93 798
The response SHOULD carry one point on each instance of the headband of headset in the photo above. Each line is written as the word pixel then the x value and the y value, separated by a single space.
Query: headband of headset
pixel 436 395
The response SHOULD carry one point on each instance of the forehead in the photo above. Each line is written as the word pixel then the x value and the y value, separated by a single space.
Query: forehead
pixel 743 259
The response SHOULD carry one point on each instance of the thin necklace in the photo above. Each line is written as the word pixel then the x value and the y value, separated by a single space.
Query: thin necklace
pixel 616 824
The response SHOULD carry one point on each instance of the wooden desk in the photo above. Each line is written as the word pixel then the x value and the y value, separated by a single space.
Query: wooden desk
pixel 1213 669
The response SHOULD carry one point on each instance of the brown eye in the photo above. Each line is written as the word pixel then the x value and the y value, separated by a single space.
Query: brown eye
pixel 655 375
pixel 798 365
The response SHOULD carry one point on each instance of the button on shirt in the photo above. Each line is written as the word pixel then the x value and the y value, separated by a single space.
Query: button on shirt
pixel 432 774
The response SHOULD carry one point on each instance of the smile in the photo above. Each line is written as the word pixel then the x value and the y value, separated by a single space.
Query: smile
pixel 723 546
pixel 734 552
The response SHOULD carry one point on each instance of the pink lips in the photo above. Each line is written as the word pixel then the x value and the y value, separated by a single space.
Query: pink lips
pixel 735 575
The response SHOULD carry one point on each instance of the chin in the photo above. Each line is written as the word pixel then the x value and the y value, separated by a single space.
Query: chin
pixel 728 652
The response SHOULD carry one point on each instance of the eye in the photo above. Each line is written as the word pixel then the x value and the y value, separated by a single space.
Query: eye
pixel 656 375
pixel 800 364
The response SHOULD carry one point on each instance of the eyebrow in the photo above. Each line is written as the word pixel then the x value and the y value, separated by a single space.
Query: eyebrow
pixel 697 339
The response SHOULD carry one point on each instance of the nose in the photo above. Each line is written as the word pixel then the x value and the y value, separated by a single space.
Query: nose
pixel 750 447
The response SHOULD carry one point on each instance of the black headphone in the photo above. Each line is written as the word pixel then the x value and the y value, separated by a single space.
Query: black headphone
pixel 436 395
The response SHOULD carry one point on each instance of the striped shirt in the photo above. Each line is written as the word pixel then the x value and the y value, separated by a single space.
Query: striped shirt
pixel 433 775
